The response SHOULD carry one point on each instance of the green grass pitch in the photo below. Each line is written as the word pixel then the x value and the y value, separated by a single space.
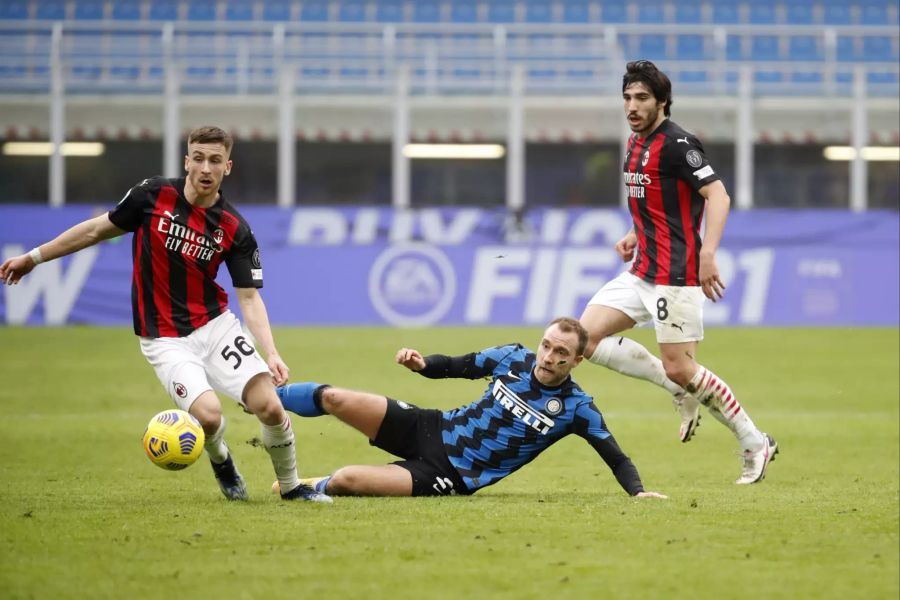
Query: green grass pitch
pixel 83 514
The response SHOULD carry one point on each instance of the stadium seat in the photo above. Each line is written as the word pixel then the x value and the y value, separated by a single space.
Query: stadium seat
pixel 314 11
pixel 51 9
pixel 576 11
pixel 873 12
pixel 878 48
pixel 734 48
pixel 201 10
pixel 277 10
pixel 725 12
pixel 239 10
pixel 762 12
pixel 13 10
pixel 426 11
pixel 882 78
pixel 799 12
pixel 126 10
pixel 836 12
pixel 764 48
pixel 806 77
pixel 501 11
pixel 693 76
pixel 688 12
pixel 653 11
pixel 804 47
pixel 652 47
pixel 163 10
pixel 768 77
pixel 690 47
pixel 352 11
pixel 388 11
pixel 89 10
pixel 613 11
pixel 464 11
pixel 540 11
pixel 846 48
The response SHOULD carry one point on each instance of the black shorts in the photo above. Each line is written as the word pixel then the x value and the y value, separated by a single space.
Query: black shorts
pixel 414 434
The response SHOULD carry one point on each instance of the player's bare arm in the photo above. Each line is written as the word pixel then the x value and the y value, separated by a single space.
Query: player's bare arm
pixel 411 359
pixel 625 247
pixel 717 206
pixel 87 233
pixel 257 319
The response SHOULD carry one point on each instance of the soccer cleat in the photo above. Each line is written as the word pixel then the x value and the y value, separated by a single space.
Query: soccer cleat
pixel 689 409
pixel 755 463
pixel 230 481
pixel 306 492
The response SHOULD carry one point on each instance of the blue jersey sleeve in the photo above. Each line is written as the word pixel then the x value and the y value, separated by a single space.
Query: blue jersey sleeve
pixel 495 361
pixel 588 422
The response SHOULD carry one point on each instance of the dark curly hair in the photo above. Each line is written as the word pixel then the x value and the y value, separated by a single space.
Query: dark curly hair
pixel 644 71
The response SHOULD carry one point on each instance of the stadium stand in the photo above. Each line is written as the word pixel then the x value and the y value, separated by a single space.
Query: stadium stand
pixel 814 42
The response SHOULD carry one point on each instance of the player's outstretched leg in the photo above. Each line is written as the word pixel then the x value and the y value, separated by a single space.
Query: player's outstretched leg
pixel 759 449
pixel 278 439
pixel 630 358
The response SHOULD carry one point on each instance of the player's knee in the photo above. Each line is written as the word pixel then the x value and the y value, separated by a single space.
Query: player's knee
pixel 269 411
pixel 209 415
pixel 678 372
pixel 343 481
pixel 333 400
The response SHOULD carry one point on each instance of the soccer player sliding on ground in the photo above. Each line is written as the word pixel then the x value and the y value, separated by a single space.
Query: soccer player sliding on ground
pixel 530 404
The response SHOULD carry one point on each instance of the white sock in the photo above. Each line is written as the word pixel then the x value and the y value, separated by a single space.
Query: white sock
pixel 215 444
pixel 279 443
pixel 627 357
pixel 715 394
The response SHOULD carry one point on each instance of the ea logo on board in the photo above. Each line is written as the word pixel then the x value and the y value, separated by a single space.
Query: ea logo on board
pixel 412 285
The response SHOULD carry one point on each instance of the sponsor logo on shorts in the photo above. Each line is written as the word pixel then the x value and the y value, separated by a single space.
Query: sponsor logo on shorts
pixel 443 486
pixel 403 405
pixel 180 390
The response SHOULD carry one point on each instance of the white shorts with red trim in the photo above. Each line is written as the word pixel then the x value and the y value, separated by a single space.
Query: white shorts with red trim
pixel 216 356
pixel 676 311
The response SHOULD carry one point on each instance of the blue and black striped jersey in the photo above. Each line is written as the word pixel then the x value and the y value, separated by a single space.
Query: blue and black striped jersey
pixel 517 418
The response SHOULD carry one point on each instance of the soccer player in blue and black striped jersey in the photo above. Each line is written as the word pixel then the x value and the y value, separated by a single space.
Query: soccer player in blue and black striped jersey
pixel 530 404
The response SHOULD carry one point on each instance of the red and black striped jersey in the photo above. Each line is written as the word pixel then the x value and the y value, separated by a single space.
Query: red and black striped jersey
pixel 663 175
pixel 177 249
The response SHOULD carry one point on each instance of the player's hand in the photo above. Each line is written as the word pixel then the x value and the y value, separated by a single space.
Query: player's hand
pixel 712 284
pixel 651 495
pixel 625 247
pixel 278 368
pixel 411 359
pixel 13 269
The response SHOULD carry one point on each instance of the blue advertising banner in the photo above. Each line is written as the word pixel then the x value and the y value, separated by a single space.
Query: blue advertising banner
pixel 470 266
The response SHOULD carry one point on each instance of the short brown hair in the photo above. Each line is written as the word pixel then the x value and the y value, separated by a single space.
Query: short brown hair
pixel 210 134
pixel 569 325
pixel 644 71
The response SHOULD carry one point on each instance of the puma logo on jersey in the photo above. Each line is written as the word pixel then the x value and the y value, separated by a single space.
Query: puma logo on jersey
pixel 170 215
pixel 683 140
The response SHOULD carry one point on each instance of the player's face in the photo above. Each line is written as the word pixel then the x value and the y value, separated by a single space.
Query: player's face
pixel 206 165
pixel 556 356
pixel 642 111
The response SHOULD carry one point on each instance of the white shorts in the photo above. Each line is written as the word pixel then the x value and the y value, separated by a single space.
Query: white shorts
pixel 676 311
pixel 216 356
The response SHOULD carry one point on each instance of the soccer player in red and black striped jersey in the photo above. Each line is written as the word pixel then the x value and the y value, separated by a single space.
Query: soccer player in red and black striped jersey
pixel 184 229
pixel 670 186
